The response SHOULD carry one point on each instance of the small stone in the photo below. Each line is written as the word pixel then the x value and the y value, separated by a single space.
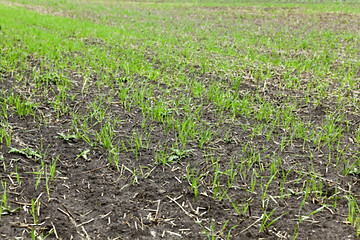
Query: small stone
pixel 153 233
pixel 161 191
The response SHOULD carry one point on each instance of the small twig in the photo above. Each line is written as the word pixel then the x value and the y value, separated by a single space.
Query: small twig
pixel 186 212
pixel 59 209
pixel 38 197
pixel 93 170
pixel 86 234
pixel 81 224
pixel 157 210
pixel 67 210
pixel 21 203
pixel 11 180
pixel 104 216
pixel 4 176
pixel 247 228
pixel 172 233
pixel 178 179
pixel 140 221
pixel 332 212
pixel 87 213
pixel 82 89
pixel 26 225
pixel 192 209
pixel 67 214
pixel 57 237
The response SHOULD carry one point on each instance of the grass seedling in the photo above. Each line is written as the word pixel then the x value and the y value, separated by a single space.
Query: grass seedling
pixel 354 213
pixel 53 168
pixel 17 175
pixel 303 202
pixel 231 173
pixel 265 190
pixel 193 178
pixel 205 136
pixel 38 176
pixel 295 91
pixel 212 234
pixel 253 180
pixel 266 218
pixel 35 236
pixel 4 196
pixel 5 209
pixel 162 156
pixel 317 210
pixel 34 210
pixel 106 136
pixel 245 205
pixel 8 138
pixel 83 154
pixel 217 187
pixel 84 135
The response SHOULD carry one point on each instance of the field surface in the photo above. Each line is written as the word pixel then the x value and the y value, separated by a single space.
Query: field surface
pixel 179 120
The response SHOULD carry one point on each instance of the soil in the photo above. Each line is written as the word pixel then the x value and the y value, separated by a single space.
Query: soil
pixel 92 199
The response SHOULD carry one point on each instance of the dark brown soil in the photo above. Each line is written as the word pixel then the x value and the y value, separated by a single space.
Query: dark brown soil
pixel 89 198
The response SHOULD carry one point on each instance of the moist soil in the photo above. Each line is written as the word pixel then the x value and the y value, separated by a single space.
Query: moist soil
pixel 91 198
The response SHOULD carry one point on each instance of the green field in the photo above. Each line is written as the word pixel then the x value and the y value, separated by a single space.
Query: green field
pixel 179 119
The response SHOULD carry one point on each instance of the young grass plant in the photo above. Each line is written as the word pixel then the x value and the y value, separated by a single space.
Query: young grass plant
pixel 211 234
pixel 193 179
pixel 282 91
pixel 5 208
